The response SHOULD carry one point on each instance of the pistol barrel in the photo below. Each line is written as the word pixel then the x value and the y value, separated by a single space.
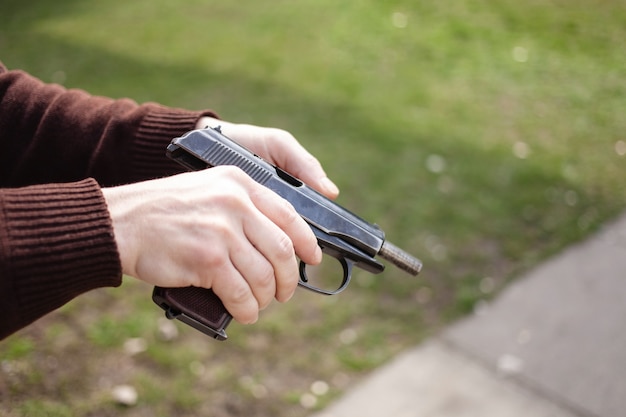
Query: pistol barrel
pixel 400 258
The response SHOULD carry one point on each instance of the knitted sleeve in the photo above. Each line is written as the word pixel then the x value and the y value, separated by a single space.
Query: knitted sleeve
pixel 51 134
pixel 56 242
pixel 59 147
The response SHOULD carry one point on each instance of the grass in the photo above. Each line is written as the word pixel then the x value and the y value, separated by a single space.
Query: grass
pixel 482 136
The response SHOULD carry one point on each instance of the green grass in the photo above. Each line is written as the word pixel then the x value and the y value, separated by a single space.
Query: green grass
pixel 481 136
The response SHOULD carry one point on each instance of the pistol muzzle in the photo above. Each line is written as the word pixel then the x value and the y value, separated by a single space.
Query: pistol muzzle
pixel 400 258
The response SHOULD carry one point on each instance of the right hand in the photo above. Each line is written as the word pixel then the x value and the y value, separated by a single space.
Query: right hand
pixel 217 229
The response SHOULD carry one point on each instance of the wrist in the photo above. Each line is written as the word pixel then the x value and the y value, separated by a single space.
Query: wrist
pixel 117 206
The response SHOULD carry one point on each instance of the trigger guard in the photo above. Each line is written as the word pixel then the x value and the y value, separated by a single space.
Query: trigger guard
pixel 347 275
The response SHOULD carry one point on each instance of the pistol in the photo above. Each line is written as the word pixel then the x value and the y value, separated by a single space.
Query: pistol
pixel 340 233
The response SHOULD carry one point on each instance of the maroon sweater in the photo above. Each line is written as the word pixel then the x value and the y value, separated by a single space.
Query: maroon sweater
pixel 57 147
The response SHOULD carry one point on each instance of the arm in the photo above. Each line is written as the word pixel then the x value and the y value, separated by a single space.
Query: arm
pixel 48 134
pixel 225 231
pixel 51 134
pixel 56 240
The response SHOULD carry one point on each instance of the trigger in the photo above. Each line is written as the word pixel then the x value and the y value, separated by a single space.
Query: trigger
pixel 303 277
pixel 347 274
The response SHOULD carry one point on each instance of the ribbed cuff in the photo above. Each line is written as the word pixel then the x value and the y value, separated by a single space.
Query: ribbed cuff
pixel 56 242
pixel 156 131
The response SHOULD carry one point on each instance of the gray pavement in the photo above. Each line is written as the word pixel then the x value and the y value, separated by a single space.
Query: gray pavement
pixel 552 344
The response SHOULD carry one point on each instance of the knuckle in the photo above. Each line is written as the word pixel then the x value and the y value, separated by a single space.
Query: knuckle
pixel 230 170
pixel 237 298
pixel 209 260
pixel 245 306
pixel 239 293
pixel 221 228
pixel 266 277
pixel 284 248
pixel 212 260
pixel 290 215
pixel 211 255
pixel 238 175
pixel 278 134
pixel 232 199
pixel 311 160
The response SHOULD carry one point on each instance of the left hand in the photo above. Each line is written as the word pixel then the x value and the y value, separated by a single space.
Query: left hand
pixel 280 148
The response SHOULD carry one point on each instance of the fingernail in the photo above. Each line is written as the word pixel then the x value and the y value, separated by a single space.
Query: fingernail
pixel 329 186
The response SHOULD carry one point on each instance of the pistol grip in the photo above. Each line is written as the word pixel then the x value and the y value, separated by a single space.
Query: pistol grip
pixel 198 307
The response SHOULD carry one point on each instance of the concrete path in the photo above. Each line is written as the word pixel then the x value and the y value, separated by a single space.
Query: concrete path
pixel 552 344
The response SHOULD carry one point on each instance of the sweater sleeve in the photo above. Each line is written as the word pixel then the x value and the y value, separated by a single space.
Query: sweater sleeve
pixel 56 242
pixel 52 134
pixel 59 147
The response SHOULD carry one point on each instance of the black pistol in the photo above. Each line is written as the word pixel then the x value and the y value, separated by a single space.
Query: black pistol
pixel 340 233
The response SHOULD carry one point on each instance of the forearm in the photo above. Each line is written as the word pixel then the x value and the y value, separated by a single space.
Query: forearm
pixel 51 134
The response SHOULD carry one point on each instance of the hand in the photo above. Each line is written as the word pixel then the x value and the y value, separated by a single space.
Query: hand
pixel 215 228
pixel 280 148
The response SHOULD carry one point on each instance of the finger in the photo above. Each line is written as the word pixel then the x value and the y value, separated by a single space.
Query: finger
pixel 258 272
pixel 281 148
pixel 236 295
pixel 283 235
pixel 285 216
pixel 295 159
pixel 278 249
pixel 211 266
pixel 307 168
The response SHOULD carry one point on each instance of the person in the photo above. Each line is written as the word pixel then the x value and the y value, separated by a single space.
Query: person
pixel 87 196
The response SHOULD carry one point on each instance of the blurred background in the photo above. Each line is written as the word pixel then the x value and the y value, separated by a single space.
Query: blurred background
pixel 482 136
